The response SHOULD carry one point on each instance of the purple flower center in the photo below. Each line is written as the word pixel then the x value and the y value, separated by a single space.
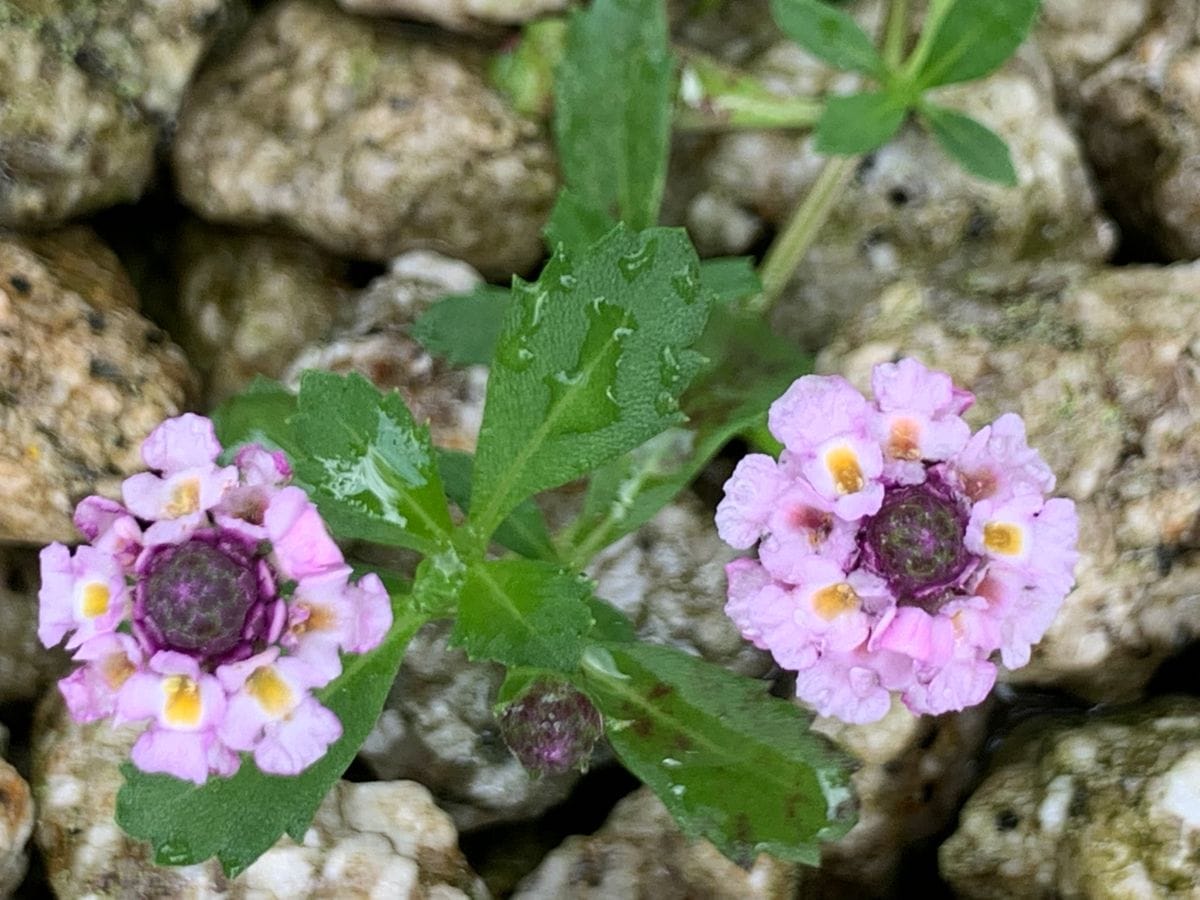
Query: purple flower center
pixel 196 597
pixel 551 728
pixel 915 541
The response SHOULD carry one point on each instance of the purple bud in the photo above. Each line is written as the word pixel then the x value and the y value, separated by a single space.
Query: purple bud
pixel 551 727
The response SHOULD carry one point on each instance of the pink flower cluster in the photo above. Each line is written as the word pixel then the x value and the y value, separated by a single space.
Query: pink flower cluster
pixel 897 552
pixel 209 606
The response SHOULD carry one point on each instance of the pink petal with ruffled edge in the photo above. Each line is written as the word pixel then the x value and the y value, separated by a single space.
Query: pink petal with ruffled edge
pixel 260 467
pixel 750 498
pixel 302 545
pixel 183 495
pixel 90 692
pixel 998 463
pixel 960 683
pixel 182 754
pixel 765 613
pixel 855 686
pixel 803 525
pixel 153 694
pixel 86 594
pixel 746 579
pixel 827 608
pixel 908 385
pixel 815 410
pixel 184 442
pixel 291 745
pixel 844 470
pixel 110 528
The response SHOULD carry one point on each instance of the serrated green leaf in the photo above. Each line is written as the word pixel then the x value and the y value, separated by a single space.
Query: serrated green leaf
pixel 828 34
pixel 463 328
pixel 258 415
pixel 238 819
pixel 610 625
pixel 524 531
pixel 858 123
pixel 522 612
pixel 732 279
pixel 591 362
pixel 974 38
pixel 574 225
pixel 977 148
pixel 732 764
pixel 370 467
pixel 749 367
pixel 612 116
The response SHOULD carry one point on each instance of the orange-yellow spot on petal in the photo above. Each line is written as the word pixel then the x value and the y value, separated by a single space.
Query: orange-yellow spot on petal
pixel 271 691
pixel 96 597
pixel 183 706
pixel 185 499
pixel 903 440
pixel 1002 537
pixel 116 669
pixel 319 618
pixel 830 602
pixel 978 485
pixel 843 466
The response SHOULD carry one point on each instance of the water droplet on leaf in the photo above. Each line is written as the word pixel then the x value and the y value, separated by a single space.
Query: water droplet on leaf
pixel 634 263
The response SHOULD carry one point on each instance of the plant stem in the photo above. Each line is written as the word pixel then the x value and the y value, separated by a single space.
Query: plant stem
pixel 894 34
pixel 789 248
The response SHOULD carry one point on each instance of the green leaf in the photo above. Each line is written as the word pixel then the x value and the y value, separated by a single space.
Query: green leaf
pixel 977 148
pixel 524 531
pixel 522 612
pixel 731 278
pixel 613 108
pixel 591 362
pixel 258 415
pixel 974 38
pixel 463 328
pixel 713 95
pixel 858 123
pixel 525 74
pixel 611 625
pixel 749 367
pixel 828 34
pixel 371 468
pixel 732 764
pixel 238 819
pixel 574 225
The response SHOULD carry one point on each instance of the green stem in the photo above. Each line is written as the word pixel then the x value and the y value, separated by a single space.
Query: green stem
pixel 893 40
pixel 929 29
pixel 789 248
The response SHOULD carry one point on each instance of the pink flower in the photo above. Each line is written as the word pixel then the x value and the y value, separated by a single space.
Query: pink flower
pixel 210 606
pixel 897 553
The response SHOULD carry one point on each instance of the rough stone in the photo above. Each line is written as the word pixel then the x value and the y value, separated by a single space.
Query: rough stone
pixel 26 667
pixel 460 15
pixel 1105 808
pixel 371 337
pixel 83 379
pixel 367 140
pixel 640 852
pixel 367 840
pixel 1102 365
pixel 16 826
pixel 914 772
pixel 908 209
pixel 1080 36
pixel 249 302
pixel 87 89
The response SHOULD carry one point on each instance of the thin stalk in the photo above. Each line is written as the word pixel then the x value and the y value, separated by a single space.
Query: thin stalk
pixel 895 33
pixel 789 248
pixel 929 28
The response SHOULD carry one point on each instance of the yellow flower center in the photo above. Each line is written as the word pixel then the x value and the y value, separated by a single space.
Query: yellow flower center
pixel 1002 537
pixel 903 440
pixel 830 602
pixel 183 705
pixel 185 499
pixel 95 600
pixel 271 691
pixel 843 466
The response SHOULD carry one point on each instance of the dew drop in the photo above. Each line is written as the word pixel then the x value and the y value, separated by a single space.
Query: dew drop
pixel 632 264
pixel 669 371
pixel 665 404
pixel 687 286
pixel 584 393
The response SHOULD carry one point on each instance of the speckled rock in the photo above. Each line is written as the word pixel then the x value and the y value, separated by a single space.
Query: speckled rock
pixel 914 772
pixel 1102 364
pixel 1080 36
pixel 909 209
pixel 83 379
pixel 16 826
pixel 249 302
pixel 376 840
pixel 438 728
pixel 371 337
pixel 87 88
pixel 460 15
pixel 668 577
pixel 1103 809
pixel 641 853
pixel 26 667
pixel 365 139
pixel 1140 119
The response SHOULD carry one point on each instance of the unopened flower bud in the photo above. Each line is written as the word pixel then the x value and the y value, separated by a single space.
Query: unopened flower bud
pixel 551 727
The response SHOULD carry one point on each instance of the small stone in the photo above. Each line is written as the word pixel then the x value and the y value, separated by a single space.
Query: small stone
pixel 365 139
pixel 459 15
pixel 366 840
pixel 16 826
pixel 1104 808
pixel 248 302
pixel 84 380
pixel 372 338
pixel 640 852
pixel 87 90
pixel 1100 364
